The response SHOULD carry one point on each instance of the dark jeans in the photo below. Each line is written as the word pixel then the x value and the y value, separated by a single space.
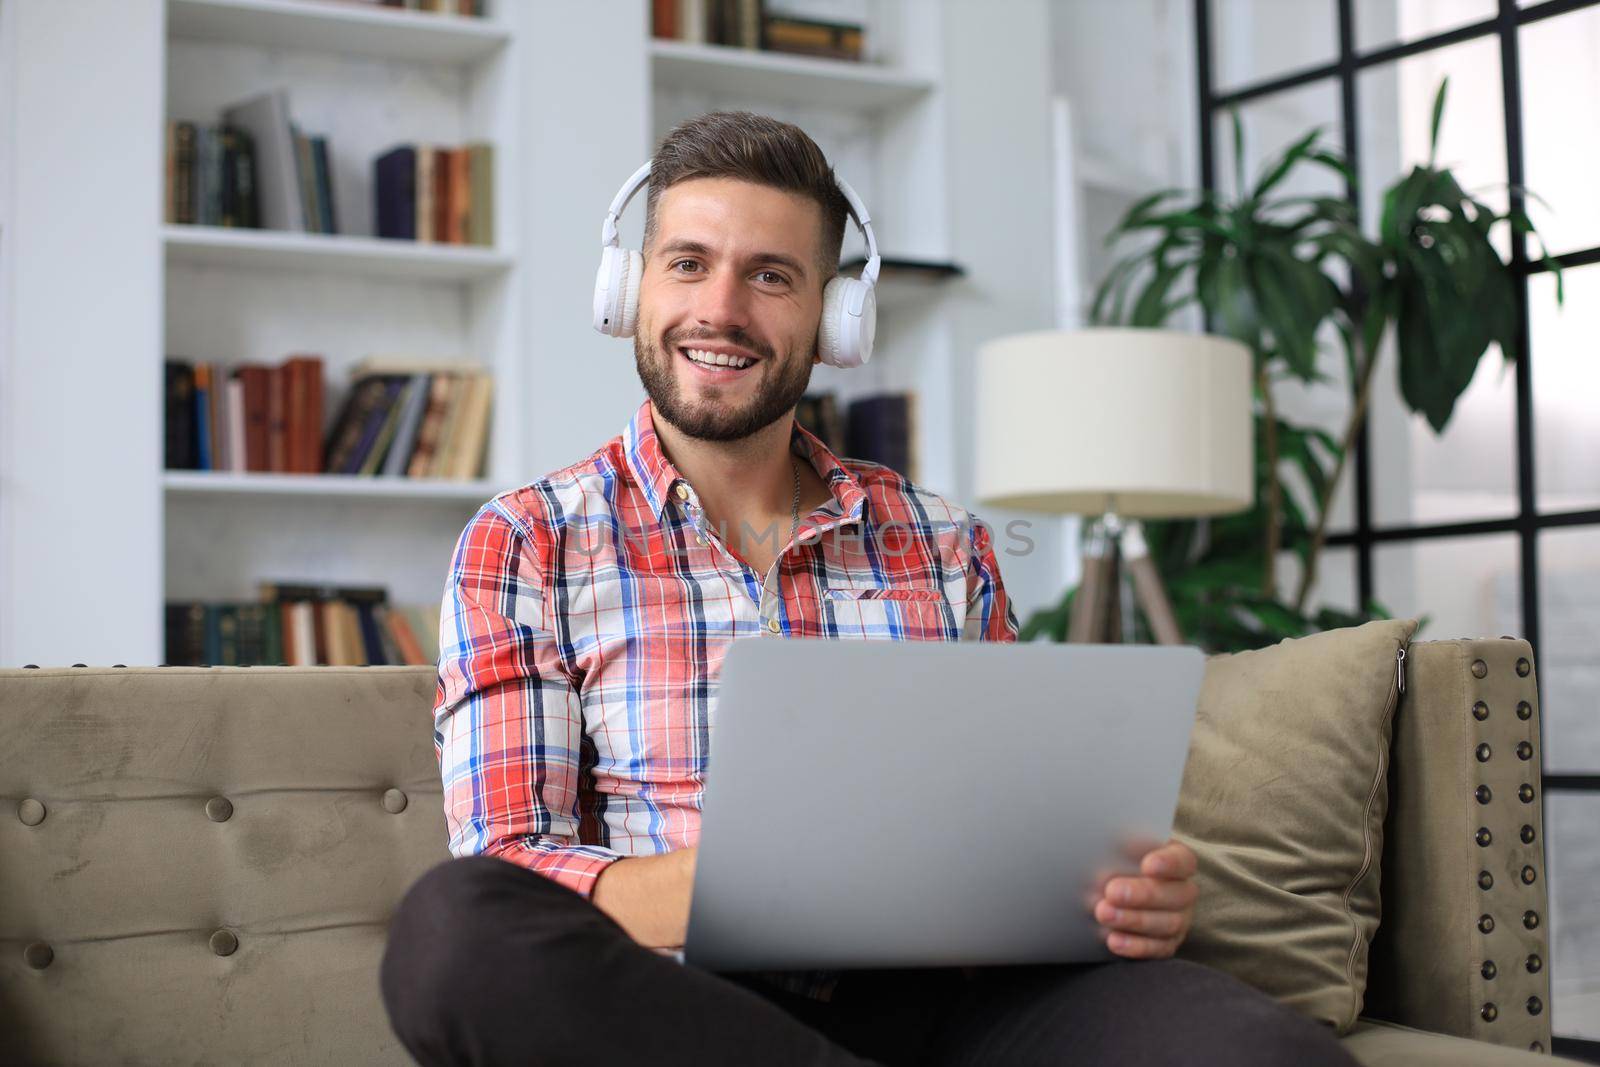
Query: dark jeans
pixel 488 963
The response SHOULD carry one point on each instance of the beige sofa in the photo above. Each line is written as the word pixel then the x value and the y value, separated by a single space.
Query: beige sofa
pixel 197 865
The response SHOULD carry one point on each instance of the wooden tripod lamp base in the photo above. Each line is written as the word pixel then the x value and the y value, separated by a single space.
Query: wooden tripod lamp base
pixel 1111 546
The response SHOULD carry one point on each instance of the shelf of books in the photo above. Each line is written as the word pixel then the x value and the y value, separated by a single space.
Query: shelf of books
pixel 340 325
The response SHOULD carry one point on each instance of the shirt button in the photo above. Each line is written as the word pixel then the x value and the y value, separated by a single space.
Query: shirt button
pixel 774 625
pixel 700 539
pixel 683 490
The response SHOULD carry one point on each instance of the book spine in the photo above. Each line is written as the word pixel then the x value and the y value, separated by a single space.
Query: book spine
pixel 664 19
pixel 202 417
pixel 237 459
pixel 277 420
pixel 395 189
pixel 372 644
pixel 443 172
pixel 425 193
pixel 311 369
pixel 183 166
pixel 460 194
pixel 244 178
pixel 366 399
pixel 410 649
pixel 475 430
pixel 480 220
pixel 324 177
pixel 179 418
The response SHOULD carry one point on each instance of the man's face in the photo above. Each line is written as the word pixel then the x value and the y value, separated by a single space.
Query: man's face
pixel 733 272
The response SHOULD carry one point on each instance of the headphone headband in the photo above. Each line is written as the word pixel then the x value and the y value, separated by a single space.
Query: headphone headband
pixel 610 238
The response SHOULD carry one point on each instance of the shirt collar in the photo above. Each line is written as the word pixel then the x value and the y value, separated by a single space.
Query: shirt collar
pixel 658 478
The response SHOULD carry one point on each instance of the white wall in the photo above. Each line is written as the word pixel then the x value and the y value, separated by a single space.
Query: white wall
pixel 81 527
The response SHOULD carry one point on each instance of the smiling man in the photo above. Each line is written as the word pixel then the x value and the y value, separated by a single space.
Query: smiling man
pixel 585 621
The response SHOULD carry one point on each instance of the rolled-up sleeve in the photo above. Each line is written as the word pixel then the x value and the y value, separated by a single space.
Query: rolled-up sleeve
pixel 990 615
pixel 508 719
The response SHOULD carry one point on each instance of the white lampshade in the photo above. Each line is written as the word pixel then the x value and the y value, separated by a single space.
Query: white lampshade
pixel 1149 423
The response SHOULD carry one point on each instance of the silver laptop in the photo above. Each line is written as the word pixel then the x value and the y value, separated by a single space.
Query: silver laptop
pixel 898 804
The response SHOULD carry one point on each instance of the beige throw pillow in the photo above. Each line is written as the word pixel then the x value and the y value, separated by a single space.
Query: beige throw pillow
pixel 1283 800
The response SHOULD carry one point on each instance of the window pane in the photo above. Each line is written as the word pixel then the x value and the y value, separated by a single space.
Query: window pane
pixel 1572 849
pixel 1566 389
pixel 1255 40
pixel 1569 648
pixel 1561 127
pixel 1466 586
pixel 1469 472
pixel 1380 23
pixel 1273 123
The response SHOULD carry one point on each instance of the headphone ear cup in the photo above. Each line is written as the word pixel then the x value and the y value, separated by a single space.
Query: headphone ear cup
pixel 632 274
pixel 849 321
pixel 616 291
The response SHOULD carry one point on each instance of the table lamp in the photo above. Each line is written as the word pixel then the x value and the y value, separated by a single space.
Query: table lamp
pixel 1122 424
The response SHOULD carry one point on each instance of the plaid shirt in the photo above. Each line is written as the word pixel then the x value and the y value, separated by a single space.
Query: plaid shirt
pixel 583 628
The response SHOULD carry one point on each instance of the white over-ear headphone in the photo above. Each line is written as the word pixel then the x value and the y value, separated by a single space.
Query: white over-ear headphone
pixel 849 305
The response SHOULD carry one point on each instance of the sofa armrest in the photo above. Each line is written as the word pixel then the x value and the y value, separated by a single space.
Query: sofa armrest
pixel 1462 946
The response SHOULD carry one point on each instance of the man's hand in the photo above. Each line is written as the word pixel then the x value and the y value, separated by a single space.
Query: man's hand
pixel 1147 916
pixel 648 896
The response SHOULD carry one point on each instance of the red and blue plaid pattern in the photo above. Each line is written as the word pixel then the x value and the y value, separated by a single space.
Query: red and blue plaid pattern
pixel 586 616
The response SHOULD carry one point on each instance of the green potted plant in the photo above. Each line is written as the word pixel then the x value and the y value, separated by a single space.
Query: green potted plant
pixel 1270 270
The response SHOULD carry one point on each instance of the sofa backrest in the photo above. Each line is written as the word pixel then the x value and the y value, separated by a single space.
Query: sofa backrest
pixel 199 864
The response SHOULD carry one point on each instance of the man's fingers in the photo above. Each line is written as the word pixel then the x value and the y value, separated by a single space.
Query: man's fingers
pixel 1174 860
pixel 1151 893
pixel 1148 923
pixel 1134 947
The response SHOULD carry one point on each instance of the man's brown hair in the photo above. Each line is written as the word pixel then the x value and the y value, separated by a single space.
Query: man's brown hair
pixel 753 148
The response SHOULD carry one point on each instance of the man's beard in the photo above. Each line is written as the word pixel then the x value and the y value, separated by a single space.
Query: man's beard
pixel 776 395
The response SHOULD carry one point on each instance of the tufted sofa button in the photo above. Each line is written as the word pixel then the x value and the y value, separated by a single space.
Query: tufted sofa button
pixel 1488 970
pixel 1489 1012
pixel 1484 752
pixel 219 809
pixel 1480 669
pixel 224 942
pixel 1524 750
pixel 1524 710
pixel 1523 668
pixel 1484 794
pixel 1527 835
pixel 1530 919
pixel 1535 1005
pixel 1480 711
pixel 1535 964
pixel 30 811
pixel 1529 876
pixel 30 666
pixel 1486 924
pixel 38 955
pixel 1485 880
pixel 394 801
pixel 80 664
pixel 1537 1046
pixel 1484 837
pixel 1525 793
pixel 122 665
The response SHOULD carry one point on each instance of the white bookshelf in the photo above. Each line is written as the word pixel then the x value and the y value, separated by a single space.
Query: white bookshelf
pixel 222 485
pixel 784 79
pixel 338 27
pixel 95 535
pixel 374 257
pixel 368 78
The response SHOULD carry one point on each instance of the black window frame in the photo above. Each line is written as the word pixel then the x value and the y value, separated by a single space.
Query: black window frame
pixel 1529 520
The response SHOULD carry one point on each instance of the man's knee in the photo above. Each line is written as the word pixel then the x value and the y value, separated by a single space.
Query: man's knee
pixel 471 921
pixel 1222 1020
